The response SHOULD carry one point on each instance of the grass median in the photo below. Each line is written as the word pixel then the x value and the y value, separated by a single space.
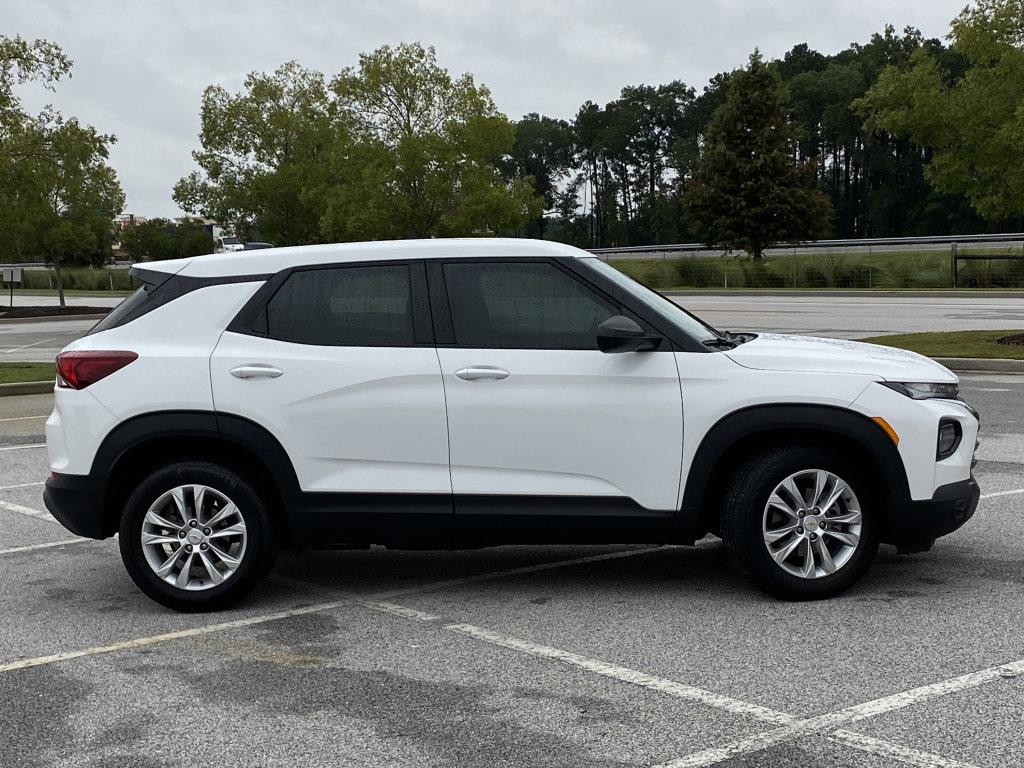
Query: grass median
pixel 978 344
pixel 16 373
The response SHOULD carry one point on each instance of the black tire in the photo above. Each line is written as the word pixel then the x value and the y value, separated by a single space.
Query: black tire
pixel 260 547
pixel 743 517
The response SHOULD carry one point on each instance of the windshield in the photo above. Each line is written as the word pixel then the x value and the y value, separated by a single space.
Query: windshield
pixel 664 306
pixel 230 240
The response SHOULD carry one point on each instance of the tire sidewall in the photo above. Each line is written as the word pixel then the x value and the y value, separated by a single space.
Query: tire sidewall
pixel 259 550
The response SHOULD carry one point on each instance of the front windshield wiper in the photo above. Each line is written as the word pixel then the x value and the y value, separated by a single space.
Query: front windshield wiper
pixel 720 342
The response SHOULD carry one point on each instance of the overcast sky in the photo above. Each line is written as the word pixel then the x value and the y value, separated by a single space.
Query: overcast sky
pixel 140 67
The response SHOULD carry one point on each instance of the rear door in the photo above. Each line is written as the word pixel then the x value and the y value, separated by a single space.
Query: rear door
pixel 338 363
pixel 551 439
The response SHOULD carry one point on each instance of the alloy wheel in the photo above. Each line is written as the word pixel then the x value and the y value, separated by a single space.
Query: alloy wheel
pixel 194 537
pixel 812 524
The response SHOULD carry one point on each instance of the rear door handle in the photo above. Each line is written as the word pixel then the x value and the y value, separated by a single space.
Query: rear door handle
pixel 256 371
pixel 481 373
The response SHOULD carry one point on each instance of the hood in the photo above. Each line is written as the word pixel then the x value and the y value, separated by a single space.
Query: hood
pixel 777 352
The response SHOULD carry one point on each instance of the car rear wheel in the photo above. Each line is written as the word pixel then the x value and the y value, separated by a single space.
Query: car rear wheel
pixel 196 536
pixel 801 522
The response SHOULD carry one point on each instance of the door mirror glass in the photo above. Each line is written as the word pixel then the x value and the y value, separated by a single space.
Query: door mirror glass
pixel 622 334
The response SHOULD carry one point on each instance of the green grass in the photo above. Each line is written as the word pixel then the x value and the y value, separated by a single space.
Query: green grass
pixel 922 270
pixel 88 279
pixel 11 373
pixel 954 344
pixel 67 292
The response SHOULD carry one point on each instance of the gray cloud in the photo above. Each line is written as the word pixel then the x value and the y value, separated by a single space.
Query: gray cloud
pixel 140 67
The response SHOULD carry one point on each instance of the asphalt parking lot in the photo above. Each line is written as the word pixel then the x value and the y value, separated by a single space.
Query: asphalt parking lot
pixel 559 656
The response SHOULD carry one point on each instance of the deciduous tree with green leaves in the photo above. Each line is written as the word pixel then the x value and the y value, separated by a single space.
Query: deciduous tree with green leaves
pixel 58 194
pixel 971 121
pixel 750 189
pixel 160 239
pixel 424 157
pixel 263 150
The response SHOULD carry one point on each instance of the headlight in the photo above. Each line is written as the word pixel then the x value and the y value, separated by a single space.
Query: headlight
pixel 919 390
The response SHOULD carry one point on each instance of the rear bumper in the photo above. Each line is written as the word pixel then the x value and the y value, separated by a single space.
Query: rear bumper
pixel 77 503
pixel 916 524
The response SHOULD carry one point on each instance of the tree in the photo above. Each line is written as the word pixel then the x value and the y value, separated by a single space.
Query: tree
pixel 750 191
pixel 263 151
pixel 424 153
pixel 74 195
pixel 160 239
pixel 971 121
pixel 541 153
pixel 58 195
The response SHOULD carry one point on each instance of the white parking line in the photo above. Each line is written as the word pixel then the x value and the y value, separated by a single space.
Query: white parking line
pixel 139 642
pixel 25 418
pixel 38 514
pixel 896 752
pixel 833 720
pixel 26 346
pixel 625 675
pixel 21 447
pixel 678 690
pixel 47 545
pixel 301 611
pixel 1014 492
pixel 20 485
pixel 400 610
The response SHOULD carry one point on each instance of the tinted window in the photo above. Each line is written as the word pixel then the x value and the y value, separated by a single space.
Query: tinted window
pixel 129 307
pixel 522 305
pixel 664 306
pixel 344 306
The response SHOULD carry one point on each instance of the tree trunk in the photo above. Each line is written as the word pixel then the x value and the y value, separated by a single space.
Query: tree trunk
pixel 60 283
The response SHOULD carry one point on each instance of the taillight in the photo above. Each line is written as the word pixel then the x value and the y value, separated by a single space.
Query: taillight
pixel 78 370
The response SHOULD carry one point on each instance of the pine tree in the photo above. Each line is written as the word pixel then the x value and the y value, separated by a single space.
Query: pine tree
pixel 750 191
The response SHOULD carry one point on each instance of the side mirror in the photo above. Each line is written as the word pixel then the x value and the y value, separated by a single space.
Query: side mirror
pixel 621 334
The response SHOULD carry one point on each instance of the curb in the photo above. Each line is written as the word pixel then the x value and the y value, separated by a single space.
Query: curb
pixel 97 316
pixel 980 364
pixel 26 388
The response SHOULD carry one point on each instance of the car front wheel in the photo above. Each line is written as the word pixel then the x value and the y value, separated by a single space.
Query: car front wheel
pixel 801 522
pixel 196 536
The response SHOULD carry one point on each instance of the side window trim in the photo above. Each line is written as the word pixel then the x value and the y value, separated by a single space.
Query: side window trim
pixel 251 319
pixel 441 307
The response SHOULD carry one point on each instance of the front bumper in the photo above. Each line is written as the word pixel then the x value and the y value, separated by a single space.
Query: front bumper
pixel 77 503
pixel 916 524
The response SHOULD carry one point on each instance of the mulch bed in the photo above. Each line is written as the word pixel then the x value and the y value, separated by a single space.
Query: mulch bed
pixel 1016 340
pixel 7 313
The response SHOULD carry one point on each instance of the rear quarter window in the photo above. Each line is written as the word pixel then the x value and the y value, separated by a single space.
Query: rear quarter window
pixel 133 306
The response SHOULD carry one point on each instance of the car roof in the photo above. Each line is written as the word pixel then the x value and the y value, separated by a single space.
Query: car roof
pixel 271 260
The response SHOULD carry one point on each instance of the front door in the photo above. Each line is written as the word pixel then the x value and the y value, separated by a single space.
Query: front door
pixel 551 439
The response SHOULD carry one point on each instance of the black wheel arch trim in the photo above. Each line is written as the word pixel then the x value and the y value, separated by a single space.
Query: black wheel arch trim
pixel 228 428
pixel 760 419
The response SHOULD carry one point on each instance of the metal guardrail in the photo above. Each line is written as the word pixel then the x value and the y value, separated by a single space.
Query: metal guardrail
pixel 819 245
pixel 869 244
pixel 44 265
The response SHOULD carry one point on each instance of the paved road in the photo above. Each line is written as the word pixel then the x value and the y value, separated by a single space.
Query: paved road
pixel 854 316
pixel 818 314
pixel 529 656
pixel 71 299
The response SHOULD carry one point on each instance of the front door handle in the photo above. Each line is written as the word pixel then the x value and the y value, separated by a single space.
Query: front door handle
pixel 256 371
pixel 481 373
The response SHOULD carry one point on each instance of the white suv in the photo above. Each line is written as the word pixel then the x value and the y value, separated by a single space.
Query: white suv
pixel 463 393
